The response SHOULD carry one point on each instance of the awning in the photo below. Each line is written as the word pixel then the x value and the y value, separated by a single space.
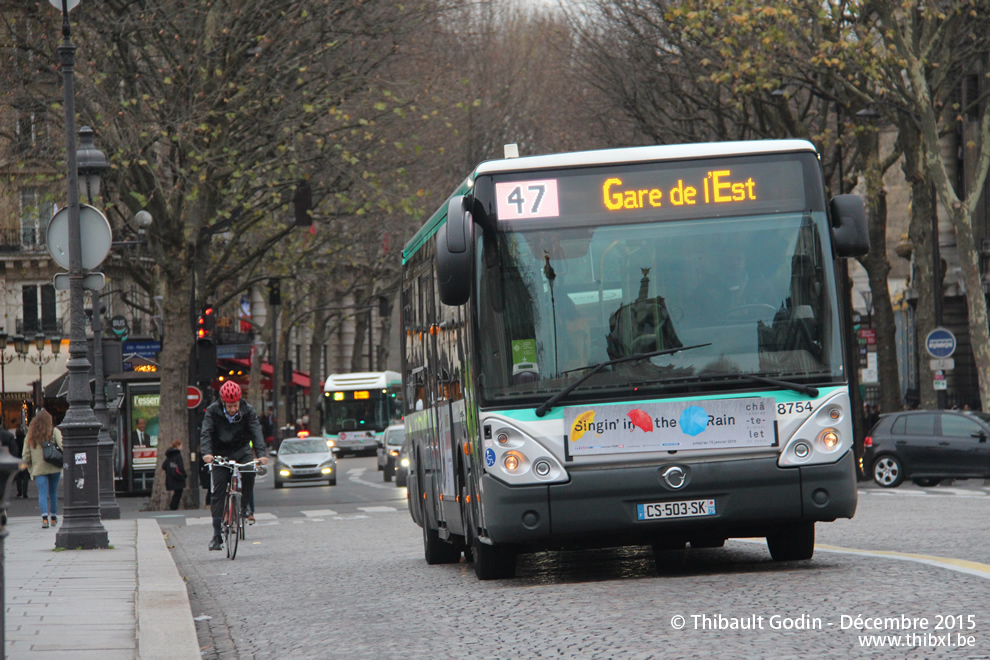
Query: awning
pixel 299 378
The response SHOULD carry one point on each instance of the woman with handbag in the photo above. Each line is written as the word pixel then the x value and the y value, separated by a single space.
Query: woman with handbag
pixel 46 474
pixel 175 473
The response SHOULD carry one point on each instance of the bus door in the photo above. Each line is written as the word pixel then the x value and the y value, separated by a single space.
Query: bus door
pixel 449 483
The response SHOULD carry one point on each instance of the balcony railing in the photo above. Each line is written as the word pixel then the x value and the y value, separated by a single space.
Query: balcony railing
pixel 25 240
pixel 48 327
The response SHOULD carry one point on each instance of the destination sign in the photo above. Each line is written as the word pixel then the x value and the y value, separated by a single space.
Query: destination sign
pixel 657 191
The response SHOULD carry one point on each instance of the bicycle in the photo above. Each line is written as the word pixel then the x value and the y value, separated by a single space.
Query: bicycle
pixel 232 528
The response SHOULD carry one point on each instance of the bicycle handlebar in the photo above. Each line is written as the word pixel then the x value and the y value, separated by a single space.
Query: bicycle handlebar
pixel 231 464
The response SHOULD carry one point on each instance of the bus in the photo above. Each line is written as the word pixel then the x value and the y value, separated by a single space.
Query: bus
pixel 637 346
pixel 359 407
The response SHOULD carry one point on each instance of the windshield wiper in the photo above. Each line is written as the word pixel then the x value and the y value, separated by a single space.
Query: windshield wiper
pixel 797 387
pixel 552 401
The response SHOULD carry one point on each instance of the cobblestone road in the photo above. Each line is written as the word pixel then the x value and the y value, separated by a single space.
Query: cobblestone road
pixel 356 586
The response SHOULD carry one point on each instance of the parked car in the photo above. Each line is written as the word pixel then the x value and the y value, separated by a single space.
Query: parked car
pixel 305 458
pixel 402 466
pixel 928 446
pixel 388 451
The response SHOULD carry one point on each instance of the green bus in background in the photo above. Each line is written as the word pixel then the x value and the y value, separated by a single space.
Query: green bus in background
pixel 358 407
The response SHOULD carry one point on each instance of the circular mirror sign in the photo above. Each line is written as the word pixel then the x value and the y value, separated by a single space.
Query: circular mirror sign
pixel 95 237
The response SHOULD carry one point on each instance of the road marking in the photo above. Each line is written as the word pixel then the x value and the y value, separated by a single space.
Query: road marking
pixel 950 563
pixel 198 521
pixel 356 478
pixel 319 512
pixel 265 516
pixel 958 565
pixel 942 492
pixel 377 509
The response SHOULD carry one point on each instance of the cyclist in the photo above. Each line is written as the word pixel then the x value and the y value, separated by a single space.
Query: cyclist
pixel 230 427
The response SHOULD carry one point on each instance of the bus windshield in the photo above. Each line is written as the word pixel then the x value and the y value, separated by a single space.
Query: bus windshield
pixel 358 411
pixel 755 290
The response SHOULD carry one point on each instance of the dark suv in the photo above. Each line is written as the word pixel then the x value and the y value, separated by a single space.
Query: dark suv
pixel 927 446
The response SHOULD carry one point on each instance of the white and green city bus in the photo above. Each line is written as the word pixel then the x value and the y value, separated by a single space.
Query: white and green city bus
pixel 630 346
pixel 359 407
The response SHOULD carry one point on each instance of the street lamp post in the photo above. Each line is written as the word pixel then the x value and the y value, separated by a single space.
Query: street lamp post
pixel 91 163
pixel 41 360
pixel 81 526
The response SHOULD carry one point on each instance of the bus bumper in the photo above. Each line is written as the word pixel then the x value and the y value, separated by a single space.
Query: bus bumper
pixel 598 507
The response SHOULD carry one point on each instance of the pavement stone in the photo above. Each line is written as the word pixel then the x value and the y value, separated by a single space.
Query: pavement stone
pixel 124 602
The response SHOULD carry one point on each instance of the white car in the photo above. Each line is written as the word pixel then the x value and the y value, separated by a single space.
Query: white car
pixel 305 458
pixel 388 451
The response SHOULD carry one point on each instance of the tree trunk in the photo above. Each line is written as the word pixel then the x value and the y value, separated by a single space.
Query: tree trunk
pixel 920 233
pixel 878 270
pixel 359 358
pixel 177 346
pixel 317 341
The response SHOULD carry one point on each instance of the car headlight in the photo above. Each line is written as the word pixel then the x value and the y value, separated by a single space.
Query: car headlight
pixel 404 462
pixel 326 470
pixel 284 473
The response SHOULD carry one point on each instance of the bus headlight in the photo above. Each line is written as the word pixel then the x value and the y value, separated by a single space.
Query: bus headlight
pixel 518 458
pixel 822 438
pixel 829 438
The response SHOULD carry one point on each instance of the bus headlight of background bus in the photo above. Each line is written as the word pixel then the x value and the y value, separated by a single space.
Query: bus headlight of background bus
pixel 520 458
pixel 823 438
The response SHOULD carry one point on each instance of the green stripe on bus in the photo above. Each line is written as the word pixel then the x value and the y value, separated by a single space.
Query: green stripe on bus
pixel 431 226
pixel 782 396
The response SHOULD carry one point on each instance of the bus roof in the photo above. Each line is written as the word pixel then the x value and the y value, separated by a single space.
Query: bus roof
pixel 362 380
pixel 642 154
pixel 604 157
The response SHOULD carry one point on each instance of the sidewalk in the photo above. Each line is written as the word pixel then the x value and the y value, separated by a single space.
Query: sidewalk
pixel 124 602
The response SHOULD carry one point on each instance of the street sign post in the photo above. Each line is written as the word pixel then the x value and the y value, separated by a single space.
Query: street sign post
pixel 194 396
pixel 940 343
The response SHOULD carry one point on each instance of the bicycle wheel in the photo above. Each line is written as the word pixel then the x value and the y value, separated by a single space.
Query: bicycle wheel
pixel 233 529
pixel 242 521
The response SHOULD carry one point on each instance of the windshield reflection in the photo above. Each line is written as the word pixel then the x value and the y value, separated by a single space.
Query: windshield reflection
pixel 758 290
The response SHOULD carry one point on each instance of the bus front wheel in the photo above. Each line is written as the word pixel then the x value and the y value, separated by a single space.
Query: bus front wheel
pixel 792 543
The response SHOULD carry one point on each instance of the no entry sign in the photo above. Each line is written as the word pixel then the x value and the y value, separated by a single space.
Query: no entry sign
pixel 193 396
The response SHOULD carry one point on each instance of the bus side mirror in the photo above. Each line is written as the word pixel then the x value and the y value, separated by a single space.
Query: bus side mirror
pixel 455 240
pixel 849 229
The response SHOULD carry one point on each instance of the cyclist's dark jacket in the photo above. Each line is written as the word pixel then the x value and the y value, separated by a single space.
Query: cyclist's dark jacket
pixel 231 439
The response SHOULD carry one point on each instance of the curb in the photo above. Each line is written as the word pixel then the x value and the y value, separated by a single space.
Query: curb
pixel 165 628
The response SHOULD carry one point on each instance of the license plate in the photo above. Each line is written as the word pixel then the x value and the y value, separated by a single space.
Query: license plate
pixel 685 509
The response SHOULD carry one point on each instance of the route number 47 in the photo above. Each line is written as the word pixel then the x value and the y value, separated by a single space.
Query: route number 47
pixel 520 200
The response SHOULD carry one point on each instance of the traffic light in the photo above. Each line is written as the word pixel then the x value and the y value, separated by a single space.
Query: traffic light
pixel 206 345
pixel 206 324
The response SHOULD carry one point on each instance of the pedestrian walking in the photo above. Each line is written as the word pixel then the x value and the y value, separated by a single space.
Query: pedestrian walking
pixel 175 473
pixel 46 476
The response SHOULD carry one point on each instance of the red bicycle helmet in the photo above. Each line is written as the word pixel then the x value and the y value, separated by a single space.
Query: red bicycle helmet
pixel 230 392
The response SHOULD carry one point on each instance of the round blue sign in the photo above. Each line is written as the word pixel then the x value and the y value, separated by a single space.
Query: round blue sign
pixel 490 457
pixel 941 343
